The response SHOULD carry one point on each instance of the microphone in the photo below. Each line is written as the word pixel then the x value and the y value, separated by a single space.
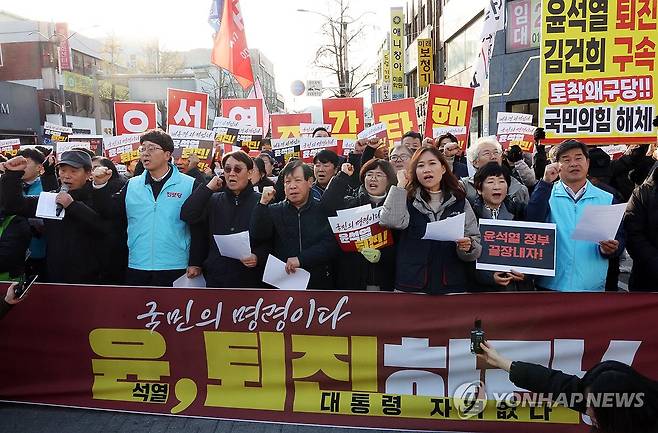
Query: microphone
pixel 59 207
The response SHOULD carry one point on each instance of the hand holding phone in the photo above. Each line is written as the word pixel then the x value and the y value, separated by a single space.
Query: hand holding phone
pixel 24 284
pixel 477 338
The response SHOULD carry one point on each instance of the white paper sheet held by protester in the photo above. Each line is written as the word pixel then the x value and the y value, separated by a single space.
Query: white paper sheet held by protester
pixel 599 223
pixel 47 207
pixel 354 210
pixel 275 274
pixel 195 282
pixel 449 229
pixel 235 246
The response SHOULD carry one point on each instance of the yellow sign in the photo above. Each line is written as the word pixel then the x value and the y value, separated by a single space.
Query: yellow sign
pixel 397 53
pixel 83 85
pixel 425 66
pixel 598 71
pixel 386 72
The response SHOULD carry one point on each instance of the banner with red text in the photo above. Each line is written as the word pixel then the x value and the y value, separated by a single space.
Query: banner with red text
pixel 400 117
pixel 449 106
pixel 362 359
pixel 346 116
pixel 287 125
pixel 134 117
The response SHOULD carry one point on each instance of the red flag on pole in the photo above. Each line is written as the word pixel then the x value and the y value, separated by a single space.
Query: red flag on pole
pixel 230 49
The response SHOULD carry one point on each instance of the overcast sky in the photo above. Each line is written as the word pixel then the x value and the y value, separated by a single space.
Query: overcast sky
pixel 287 37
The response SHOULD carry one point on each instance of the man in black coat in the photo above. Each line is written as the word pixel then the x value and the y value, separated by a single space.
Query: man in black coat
pixel 641 225
pixel 73 249
pixel 298 227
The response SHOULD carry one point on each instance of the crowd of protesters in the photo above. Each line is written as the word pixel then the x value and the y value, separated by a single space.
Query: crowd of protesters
pixel 159 224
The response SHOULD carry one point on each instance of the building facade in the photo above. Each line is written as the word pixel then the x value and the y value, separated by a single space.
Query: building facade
pixel 30 57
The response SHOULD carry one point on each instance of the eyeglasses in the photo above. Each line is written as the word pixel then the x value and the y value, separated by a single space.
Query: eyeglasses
pixel 378 176
pixel 237 169
pixel 399 158
pixel 490 154
pixel 149 148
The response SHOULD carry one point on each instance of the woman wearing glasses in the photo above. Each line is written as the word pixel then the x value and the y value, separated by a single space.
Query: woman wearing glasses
pixel 372 266
pixel 228 212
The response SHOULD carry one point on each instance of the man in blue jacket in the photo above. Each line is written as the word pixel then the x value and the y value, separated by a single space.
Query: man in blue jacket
pixel 581 265
pixel 161 246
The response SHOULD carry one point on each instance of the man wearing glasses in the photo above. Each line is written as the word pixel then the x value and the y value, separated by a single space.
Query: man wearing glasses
pixel 484 151
pixel 161 246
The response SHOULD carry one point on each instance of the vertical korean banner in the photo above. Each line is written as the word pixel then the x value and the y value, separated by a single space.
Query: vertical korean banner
pixel 399 116
pixel 134 117
pixel 345 115
pixel 64 54
pixel 425 63
pixel 186 108
pixel 449 106
pixel 598 71
pixel 287 125
pixel 397 52
pixel 523 25
pixel 386 69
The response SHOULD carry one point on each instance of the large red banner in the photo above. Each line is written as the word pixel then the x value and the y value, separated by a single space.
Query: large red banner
pixel 287 125
pixel 345 115
pixel 248 112
pixel 400 117
pixel 449 106
pixel 230 49
pixel 134 117
pixel 380 360
pixel 186 108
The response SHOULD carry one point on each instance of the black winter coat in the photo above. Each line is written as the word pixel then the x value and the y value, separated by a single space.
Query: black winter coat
pixel 353 271
pixel 226 214
pixel 641 226
pixel 73 243
pixel 114 256
pixel 14 242
pixel 303 233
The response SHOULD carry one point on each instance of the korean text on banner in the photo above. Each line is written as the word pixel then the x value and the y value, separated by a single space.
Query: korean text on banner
pixel 351 358
pixel 287 125
pixel 346 116
pixel 134 117
pixel 186 108
pixel 122 149
pixel 519 134
pixel 525 247
pixel 356 230
pixel 386 69
pixel 10 147
pixel 397 52
pixel 188 141
pixel 449 106
pixel 310 146
pixel 399 116
pixel 425 63
pixel 598 71
pixel 248 112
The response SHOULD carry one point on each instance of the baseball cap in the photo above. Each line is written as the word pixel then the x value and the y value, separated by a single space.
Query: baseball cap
pixel 76 159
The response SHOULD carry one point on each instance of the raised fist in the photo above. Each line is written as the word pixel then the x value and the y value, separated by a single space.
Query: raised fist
pixel 101 175
pixel 17 163
pixel 551 172
pixel 347 168
pixel 268 195
pixel 215 184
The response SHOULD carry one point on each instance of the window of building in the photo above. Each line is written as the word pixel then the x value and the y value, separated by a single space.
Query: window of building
pixel 462 49
pixel 526 107
pixel 475 129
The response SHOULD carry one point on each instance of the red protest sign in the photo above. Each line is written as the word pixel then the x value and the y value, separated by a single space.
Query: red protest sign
pixel 184 353
pixel 449 106
pixel 10 147
pixel 400 117
pixel 355 230
pixel 309 146
pixel 122 149
pixel 345 115
pixel 287 125
pixel 522 135
pixel 186 108
pixel 134 117
pixel 249 112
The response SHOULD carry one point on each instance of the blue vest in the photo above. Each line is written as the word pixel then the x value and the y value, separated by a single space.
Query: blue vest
pixel 157 238
pixel 37 245
pixel 580 267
